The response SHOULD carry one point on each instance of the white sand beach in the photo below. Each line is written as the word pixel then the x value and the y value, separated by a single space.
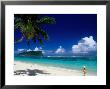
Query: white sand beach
pixel 29 69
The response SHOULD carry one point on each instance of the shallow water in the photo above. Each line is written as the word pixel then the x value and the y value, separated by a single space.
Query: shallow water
pixel 75 63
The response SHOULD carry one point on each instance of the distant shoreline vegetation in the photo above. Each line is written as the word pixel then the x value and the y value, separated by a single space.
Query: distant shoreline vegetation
pixel 31 53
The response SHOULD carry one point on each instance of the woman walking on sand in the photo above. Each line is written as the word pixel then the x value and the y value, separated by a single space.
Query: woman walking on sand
pixel 84 70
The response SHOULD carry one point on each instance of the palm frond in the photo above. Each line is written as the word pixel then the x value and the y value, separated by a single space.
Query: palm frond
pixel 18 40
pixel 46 20
pixel 29 26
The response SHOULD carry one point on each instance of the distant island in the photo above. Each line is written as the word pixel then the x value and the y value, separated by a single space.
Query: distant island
pixel 31 53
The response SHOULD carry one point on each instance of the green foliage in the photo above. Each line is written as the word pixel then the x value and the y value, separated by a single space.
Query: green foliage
pixel 46 20
pixel 30 27
pixel 31 53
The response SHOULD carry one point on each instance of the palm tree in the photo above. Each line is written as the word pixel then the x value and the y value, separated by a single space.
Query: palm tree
pixel 30 27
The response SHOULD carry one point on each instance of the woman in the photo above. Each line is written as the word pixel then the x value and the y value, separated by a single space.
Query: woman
pixel 84 70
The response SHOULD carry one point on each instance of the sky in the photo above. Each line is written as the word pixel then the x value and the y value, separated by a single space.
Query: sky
pixel 71 34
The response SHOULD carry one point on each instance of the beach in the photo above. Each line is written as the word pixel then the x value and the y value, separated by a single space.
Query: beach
pixel 42 50
pixel 29 69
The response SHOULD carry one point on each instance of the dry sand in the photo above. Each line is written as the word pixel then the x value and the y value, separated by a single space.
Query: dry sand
pixel 29 69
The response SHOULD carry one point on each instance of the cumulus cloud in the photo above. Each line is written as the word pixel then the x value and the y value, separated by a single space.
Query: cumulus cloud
pixel 36 49
pixel 29 50
pixel 85 45
pixel 60 50
pixel 20 50
pixel 39 49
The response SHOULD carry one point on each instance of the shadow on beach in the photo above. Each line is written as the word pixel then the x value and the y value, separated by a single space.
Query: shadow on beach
pixel 29 72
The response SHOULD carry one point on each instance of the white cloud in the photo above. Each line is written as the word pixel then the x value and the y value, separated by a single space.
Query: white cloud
pixel 85 45
pixel 60 50
pixel 36 49
pixel 39 49
pixel 20 50
pixel 29 50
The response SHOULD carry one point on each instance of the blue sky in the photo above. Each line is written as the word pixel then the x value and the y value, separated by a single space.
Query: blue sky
pixel 69 30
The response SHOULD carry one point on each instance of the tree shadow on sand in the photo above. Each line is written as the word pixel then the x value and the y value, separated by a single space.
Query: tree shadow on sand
pixel 30 72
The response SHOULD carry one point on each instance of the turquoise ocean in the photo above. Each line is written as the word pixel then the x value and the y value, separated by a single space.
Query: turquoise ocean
pixel 75 63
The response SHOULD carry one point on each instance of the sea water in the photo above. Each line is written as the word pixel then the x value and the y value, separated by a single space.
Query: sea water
pixel 75 63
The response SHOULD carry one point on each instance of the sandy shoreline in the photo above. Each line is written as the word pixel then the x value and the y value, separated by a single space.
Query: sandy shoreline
pixel 29 69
